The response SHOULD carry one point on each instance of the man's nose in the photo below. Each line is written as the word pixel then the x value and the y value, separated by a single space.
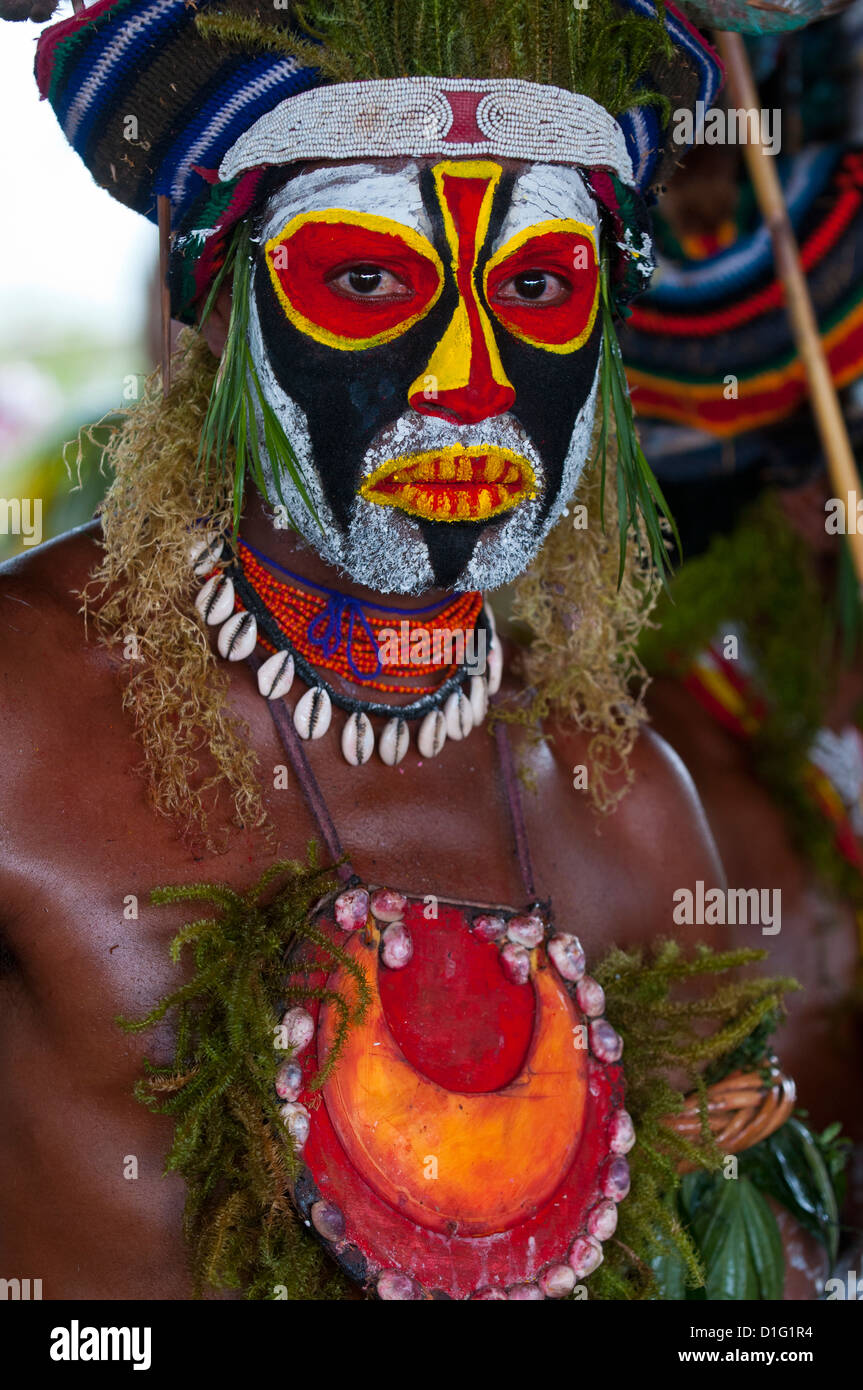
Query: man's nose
pixel 464 381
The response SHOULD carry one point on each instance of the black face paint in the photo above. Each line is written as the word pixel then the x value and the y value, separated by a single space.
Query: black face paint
pixel 349 397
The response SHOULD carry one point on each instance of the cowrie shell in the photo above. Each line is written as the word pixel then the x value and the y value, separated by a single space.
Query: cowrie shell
pixel 393 742
pixel 494 667
pixel 237 637
pixel 358 739
pixel 458 715
pixel 432 734
pixel 478 699
pixel 215 602
pixel 204 553
pixel 276 675
pixel 313 713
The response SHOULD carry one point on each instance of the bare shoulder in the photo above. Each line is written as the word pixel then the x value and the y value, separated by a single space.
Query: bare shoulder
pixel 655 841
pixel 661 803
pixel 47 665
pixel 45 582
pixel 40 603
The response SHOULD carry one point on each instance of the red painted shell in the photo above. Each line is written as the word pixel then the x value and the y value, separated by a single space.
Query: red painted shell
pixel 466 1031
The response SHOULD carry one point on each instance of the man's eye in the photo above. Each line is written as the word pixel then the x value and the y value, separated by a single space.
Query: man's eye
pixel 533 287
pixel 369 282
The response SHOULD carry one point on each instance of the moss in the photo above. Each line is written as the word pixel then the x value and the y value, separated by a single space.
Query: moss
pixel 229 1144
pixel 663 1035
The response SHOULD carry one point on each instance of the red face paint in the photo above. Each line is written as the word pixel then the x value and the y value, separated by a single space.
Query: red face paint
pixel 310 265
pixel 569 257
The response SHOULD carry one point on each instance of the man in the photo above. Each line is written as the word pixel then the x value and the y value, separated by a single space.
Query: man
pixel 411 350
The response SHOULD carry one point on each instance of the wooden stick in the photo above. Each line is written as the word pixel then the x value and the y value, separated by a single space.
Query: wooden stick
pixel 804 325
pixel 164 209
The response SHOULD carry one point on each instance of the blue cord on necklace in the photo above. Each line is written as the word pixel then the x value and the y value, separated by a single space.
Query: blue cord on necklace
pixel 325 629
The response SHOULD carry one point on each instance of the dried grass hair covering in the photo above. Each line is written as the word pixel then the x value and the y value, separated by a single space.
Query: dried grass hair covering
pixel 200 769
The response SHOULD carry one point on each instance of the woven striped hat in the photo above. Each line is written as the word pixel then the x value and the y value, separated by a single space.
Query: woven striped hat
pixel 153 106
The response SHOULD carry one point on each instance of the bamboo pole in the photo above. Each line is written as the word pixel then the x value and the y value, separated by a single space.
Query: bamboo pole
pixel 804 325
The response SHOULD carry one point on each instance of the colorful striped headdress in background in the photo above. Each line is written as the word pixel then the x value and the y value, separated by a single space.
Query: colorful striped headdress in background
pixel 704 317
pixel 196 102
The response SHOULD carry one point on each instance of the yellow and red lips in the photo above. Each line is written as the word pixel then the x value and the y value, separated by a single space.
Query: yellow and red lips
pixel 460 482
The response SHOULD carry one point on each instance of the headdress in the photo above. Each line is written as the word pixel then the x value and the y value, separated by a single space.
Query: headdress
pixel 194 102
pixel 195 105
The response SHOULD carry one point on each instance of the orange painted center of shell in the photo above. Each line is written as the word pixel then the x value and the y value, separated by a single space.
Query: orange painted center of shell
pixel 456 1161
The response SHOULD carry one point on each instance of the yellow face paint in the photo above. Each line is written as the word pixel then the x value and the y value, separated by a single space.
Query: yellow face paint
pixel 466 365
pixel 457 483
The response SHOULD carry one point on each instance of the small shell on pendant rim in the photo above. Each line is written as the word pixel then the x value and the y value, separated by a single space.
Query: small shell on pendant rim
pixel 602 1220
pixel 358 739
pixel 432 734
pixel 590 997
pixel 526 930
pixel 525 1293
pixel 615 1180
pixel 215 602
pixel 494 667
pixel 478 699
pixel 558 1280
pixel 567 956
pixel 289 1080
pixel 585 1256
pixel 388 905
pixel 327 1220
pixel 297 1122
pixel 397 947
pixel 488 1296
pixel 351 909
pixel 313 713
pixel 605 1043
pixel 299 1027
pixel 394 1286
pixel 515 963
pixel 621 1132
pixel 394 741
pixel 488 927
pixel 238 636
pixel 276 675
pixel 458 715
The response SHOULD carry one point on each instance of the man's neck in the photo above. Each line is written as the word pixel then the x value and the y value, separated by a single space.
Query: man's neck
pixel 293 553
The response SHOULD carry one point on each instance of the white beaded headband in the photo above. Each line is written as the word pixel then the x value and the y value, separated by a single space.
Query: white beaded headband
pixel 435 115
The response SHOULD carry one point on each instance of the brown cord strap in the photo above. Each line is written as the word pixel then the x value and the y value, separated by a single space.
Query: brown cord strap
pixel 742 1109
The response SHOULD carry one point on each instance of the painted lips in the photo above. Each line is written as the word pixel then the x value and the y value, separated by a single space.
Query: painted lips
pixel 459 483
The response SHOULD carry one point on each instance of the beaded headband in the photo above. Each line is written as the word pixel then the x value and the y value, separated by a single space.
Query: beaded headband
pixel 435 115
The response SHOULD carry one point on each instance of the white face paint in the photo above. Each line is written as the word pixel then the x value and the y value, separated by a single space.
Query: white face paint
pixel 318 391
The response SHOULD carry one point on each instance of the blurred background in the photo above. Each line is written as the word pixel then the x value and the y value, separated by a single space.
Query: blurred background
pixel 77 277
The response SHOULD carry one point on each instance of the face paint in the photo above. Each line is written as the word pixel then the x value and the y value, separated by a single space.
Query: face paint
pixel 427 333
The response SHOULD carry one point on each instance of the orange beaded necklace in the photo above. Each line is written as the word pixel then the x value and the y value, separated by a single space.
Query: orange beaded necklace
pixel 336 633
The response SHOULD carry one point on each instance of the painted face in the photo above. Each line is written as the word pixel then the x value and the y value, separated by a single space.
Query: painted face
pixel 427 333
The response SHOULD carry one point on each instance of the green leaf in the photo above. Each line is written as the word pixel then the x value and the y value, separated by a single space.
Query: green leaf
pixel 790 1167
pixel 738 1240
